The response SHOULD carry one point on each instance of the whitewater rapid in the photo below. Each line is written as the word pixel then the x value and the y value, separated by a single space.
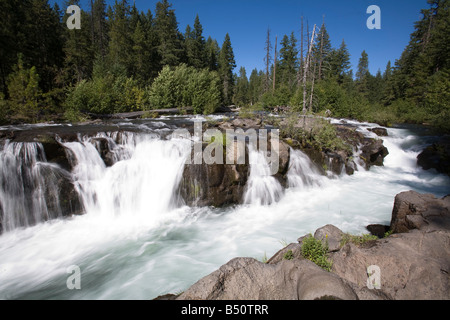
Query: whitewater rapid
pixel 138 241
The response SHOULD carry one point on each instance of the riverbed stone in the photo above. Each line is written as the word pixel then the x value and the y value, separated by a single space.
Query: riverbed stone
pixel 382 132
pixel 413 210
pixel 436 156
pixel 331 235
pixel 249 279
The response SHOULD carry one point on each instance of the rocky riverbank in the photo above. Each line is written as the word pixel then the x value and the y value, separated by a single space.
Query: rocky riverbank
pixel 412 261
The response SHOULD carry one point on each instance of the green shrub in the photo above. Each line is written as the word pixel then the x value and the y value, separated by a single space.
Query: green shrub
pixel 105 94
pixel 357 240
pixel 3 109
pixel 289 255
pixel 186 87
pixel 316 251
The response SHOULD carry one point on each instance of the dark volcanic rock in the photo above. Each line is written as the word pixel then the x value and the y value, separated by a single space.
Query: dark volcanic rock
pixel 378 230
pixel 382 132
pixel 436 156
pixel 413 210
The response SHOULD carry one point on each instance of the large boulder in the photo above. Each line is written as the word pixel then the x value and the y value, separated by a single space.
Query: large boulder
pixel 436 156
pixel 413 210
pixel 249 279
pixel 412 265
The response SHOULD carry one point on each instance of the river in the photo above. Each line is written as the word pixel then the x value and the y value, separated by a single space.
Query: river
pixel 137 241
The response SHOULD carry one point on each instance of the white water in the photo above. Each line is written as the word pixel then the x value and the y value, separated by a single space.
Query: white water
pixel 262 188
pixel 136 242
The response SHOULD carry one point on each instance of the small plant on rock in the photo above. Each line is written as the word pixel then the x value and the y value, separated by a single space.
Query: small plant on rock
pixel 316 251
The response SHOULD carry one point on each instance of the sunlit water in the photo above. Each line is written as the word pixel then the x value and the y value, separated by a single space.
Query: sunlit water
pixel 137 242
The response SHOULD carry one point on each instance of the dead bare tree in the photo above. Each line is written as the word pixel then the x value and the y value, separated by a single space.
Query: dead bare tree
pixel 267 60
pixel 300 69
pixel 275 64
pixel 307 66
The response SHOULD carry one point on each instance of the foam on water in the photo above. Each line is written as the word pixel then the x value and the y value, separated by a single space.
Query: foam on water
pixel 137 241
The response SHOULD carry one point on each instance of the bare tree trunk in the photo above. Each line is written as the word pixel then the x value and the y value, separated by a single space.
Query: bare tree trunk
pixel 275 64
pixel 308 59
pixel 312 88
pixel 321 49
pixel 267 60
pixel 300 69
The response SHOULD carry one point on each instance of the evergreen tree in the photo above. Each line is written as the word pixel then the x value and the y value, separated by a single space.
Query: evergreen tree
pixel 322 52
pixel 212 50
pixel 288 63
pixel 255 86
pixel 196 50
pixel 24 91
pixel 170 45
pixel 267 60
pixel 120 35
pixel 99 28
pixel 242 86
pixel 226 66
pixel 363 73
pixel 339 64
pixel 78 49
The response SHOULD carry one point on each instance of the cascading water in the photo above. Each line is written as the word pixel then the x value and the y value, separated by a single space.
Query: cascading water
pixel 137 242
pixel 303 172
pixel 142 181
pixel 29 191
pixel 262 187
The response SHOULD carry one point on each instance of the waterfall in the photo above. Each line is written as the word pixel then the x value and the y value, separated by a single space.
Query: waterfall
pixel 302 172
pixel 117 174
pixel 141 182
pixel 262 187
pixel 29 190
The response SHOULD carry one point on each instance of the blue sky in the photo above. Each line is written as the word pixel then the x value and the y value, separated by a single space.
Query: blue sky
pixel 247 21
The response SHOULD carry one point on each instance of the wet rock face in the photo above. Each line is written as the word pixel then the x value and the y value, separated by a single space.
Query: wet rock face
pixel 213 185
pixel 372 150
pixel 436 156
pixel 382 132
pixel 413 210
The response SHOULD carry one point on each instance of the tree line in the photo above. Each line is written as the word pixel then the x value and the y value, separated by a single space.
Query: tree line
pixel 109 65
pixel 310 75
pixel 123 59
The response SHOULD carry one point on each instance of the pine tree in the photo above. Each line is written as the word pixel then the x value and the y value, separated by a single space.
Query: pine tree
pixel 120 35
pixel 288 64
pixel 339 63
pixel 196 54
pixel 255 86
pixel 24 91
pixel 79 55
pixel 242 86
pixel 212 52
pixel 99 28
pixel 170 46
pixel 226 66
pixel 363 73
pixel 322 52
